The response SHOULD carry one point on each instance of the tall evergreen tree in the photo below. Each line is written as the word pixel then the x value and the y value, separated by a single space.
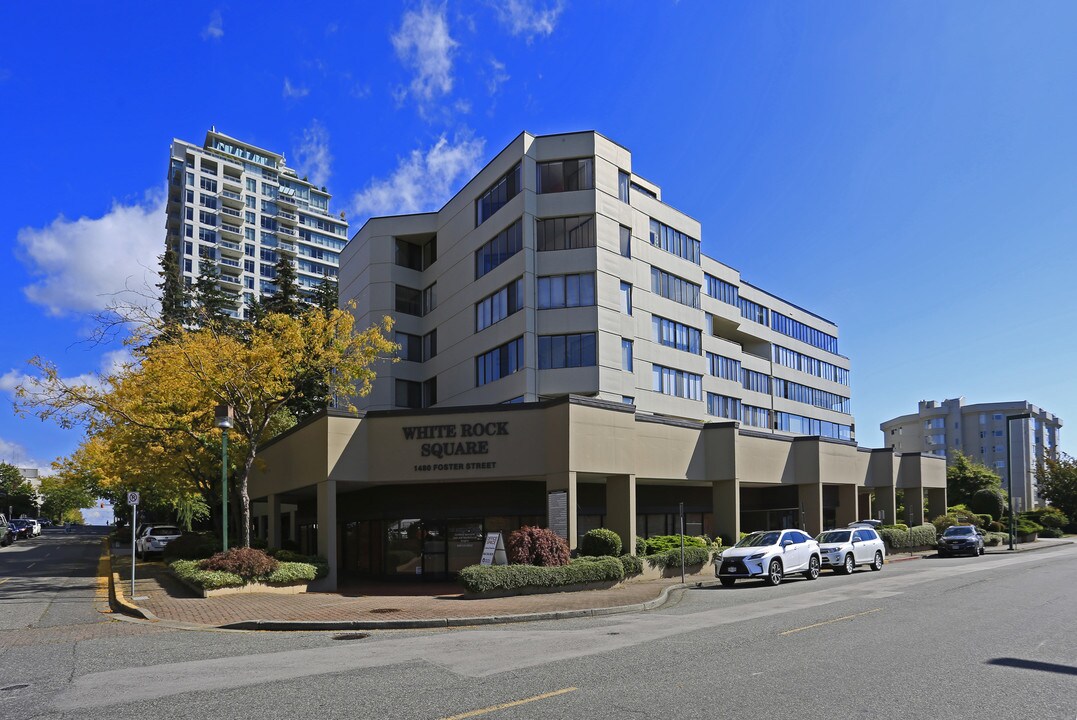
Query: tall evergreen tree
pixel 287 299
pixel 213 302
pixel 175 298
pixel 326 295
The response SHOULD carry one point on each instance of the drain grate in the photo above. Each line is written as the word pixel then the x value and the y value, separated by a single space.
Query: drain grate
pixel 382 611
pixel 351 636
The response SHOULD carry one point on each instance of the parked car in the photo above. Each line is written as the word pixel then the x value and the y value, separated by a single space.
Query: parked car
pixel 771 555
pixel 21 528
pixel 7 534
pixel 44 522
pixel 35 526
pixel 961 539
pixel 873 524
pixel 155 538
pixel 843 550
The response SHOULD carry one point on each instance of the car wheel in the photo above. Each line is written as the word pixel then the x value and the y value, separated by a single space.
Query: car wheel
pixel 727 582
pixel 983 551
pixel 813 568
pixel 847 567
pixel 775 573
pixel 877 562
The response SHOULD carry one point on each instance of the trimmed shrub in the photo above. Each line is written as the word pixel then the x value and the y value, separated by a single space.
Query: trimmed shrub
pixel 994 539
pixel 1049 517
pixel 919 536
pixel 662 543
pixel 922 535
pixel 188 571
pixel 600 542
pixel 320 564
pixel 537 546
pixel 291 573
pixel 487 578
pixel 248 563
pixel 641 546
pixel 672 558
pixel 895 538
pixel 1051 532
pixel 1024 526
pixel 996 526
pixel 632 564
pixel 896 526
pixel 988 501
pixel 192 546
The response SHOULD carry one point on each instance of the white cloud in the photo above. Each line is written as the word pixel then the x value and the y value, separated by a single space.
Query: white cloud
pixel 83 265
pixel 215 29
pixel 312 156
pixel 523 17
pixel 424 180
pixel 497 76
pixel 15 454
pixel 423 44
pixel 293 92
pixel 112 361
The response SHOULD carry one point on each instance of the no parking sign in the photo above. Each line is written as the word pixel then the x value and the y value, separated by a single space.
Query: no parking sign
pixel 132 498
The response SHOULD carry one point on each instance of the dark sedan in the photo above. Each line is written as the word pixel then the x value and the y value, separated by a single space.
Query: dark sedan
pixel 21 529
pixel 961 540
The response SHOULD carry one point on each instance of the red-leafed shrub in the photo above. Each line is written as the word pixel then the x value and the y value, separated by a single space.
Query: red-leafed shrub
pixel 245 562
pixel 537 546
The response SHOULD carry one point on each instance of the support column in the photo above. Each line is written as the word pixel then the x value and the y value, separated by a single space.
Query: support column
pixel 621 509
pixel 886 503
pixel 293 532
pixel 936 502
pixel 725 505
pixel 914 506
pixel 327 531
pixel 865 506
pixel 811 507
pixel 847 505
pixel 273 529
pixel 564 481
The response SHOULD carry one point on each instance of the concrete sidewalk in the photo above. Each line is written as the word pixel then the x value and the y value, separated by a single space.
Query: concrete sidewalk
pixel 370 605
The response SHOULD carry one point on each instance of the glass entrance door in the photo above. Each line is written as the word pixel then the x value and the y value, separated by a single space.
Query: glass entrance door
pixel 465 544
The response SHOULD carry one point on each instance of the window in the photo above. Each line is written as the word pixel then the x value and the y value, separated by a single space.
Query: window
pixel 674 288
pixel 409 394
pixel 997 416
pixel 626 241
pixel 207 235
pixel 267 271
pixel 188 230
pixel 250 217
pixel 207 201
pixel 410 347
pixel 189 196
pixel 676 335
pixel 812 396
pixel 934 423
pixel 626 298
pixel 268 255
pixel 755 416
pixel 505 189
pixel 499 362
pixel 565 175
pixel 207 218
pixel 430 298
pixel 723 406
pixel 188 248
pixel 430 344
pixel 187 265
pixel 499 305
pixel 801 425
pixel 566 351
pixel 251 202
pixel 504 245
pixel 997 433
pixel 558 291
pixel 628 400
pixel 983 418
pixel 723 367
pixel 623 183
pixel 408 300
pixel 252 185
pixel 190 179
pixel 208 184
pixel 566 233
pixel 414 255
pixel 804 333
pixel 674 241
pixel 812 366
pixel 248 250
pixel 679 383
pixel 755 381
pixel 626 355
pixel 1000 464
pixel 753 311
pixel 430 392
pixel 721 290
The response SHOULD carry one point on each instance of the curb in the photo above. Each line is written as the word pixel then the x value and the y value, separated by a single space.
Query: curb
pixel 283 625
pixel 116 600
pixel 1029 547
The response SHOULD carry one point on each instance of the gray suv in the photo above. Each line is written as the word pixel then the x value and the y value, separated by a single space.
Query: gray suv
pixel 961 540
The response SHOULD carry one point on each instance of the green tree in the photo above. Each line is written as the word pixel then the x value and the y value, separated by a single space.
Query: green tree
pixel 175 298
pixel 286 300
pixel 989 501
pixel 63 492
pixel 214 303
pixel 965 477
pixel 16 492
pixel 326 295
pixel 1058 484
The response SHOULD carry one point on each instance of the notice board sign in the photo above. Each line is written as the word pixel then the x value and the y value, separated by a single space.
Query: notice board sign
pixel 494 551
pixel 557 512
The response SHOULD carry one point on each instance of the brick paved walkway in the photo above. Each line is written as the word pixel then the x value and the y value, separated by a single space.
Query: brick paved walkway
pixel 169 600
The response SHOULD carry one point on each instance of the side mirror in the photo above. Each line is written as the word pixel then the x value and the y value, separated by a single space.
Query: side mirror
pixel 786 544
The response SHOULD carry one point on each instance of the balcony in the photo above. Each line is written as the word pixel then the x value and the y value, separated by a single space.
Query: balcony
pixel 231 215
pixel 287 217
pixel 230 262
pixel 233 183
pixel 288 200
pixel 230 280
pixel 287 248
pixel 231 199
pixel 286 232
pixel 231 231
pixel 230 248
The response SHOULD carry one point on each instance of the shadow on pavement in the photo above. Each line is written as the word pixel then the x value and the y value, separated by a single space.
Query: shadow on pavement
pixel 1034 665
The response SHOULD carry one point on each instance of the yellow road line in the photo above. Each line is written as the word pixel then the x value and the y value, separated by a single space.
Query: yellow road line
pixel 514 703
pixel 104 567
pixel 4 580
pixel 828 622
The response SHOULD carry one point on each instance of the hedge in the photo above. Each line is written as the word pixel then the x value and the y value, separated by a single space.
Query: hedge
pixel 600 542
pixel 1051 532
pixel 672 558
pixel 287 573
pixel 994 539
pixel 633 565
pixel 487 578
pixel 192 546
pixel 663 543
pixel 919 536
pixel 290 573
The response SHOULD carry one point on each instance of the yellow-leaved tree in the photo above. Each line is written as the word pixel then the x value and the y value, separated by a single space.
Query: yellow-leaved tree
pixel 152 420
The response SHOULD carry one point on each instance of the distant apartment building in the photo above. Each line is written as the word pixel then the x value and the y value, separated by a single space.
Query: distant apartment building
pixel 557 270
pixel 979 432
pixel 239 207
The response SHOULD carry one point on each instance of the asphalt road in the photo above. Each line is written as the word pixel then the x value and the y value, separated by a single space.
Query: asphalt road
pixel 988 637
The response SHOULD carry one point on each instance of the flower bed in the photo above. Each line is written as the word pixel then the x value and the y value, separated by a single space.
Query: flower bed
pixel 287 578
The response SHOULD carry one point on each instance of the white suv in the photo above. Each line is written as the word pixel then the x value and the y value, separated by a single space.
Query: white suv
pixel 155 538
pixel 771 555
pixel 844 549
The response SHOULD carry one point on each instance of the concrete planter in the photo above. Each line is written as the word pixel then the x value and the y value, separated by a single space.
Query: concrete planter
pixel 604 585
pixel 656 573
pixel 251 587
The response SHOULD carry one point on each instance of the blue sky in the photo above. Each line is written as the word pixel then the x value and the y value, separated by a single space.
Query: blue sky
pixel 906 170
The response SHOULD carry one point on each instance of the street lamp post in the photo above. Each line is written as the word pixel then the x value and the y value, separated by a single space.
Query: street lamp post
pixel 223 418
pixel 1009 470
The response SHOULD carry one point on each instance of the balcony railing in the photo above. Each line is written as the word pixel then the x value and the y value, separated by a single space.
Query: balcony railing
pixel 230 262
pixel 229 245
pixel 230 194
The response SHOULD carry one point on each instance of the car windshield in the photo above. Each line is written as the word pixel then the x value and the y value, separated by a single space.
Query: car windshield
pixel 951 531
pixel 164 531
pixel 759 539
pixel 834 536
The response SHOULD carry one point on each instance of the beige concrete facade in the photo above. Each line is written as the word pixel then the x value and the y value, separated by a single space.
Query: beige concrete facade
pixel 405 492
pixel 780 376
pixel 982 433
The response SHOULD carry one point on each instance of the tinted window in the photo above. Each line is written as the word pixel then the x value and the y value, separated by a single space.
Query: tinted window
pixel 834 536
